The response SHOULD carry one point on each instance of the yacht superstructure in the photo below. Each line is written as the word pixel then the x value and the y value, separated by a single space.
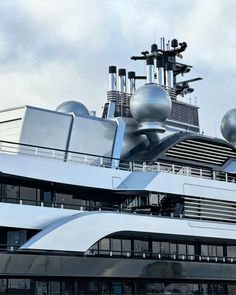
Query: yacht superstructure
pixel 134 202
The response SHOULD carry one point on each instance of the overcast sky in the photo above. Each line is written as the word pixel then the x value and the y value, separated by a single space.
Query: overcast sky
pixel 54 50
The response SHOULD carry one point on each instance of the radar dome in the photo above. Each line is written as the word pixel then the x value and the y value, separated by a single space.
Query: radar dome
pixel 150 106
pixel 73 106
pixel 228 126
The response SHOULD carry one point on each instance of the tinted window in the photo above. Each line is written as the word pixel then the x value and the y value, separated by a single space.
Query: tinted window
pixel 140 247
pixel 165 248
pixel 126 247
pixel 204 250
pixel 28 195
pixel 104 246
pixel 16 238
pixel 156 247
pixel 116 246
pixel 116 288
pixel 20 286
pixel 3 286
pixel 54 288
pixel 231 251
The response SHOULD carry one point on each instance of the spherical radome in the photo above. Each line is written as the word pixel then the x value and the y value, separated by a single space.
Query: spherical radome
pixel 228 126
pixel 73 106
pixel 150 103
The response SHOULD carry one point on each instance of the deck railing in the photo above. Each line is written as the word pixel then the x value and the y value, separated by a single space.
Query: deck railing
pixel 9 248
pixel 8 147
pixel 160 256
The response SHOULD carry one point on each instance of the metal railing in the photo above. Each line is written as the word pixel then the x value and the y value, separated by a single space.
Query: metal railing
pixel 160 256
pixel 7 147
pixel 9 247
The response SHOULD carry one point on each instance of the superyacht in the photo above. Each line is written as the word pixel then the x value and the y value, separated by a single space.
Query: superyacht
pixel 136 201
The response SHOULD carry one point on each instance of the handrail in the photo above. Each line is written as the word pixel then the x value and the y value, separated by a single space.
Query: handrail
pixel 106 162
pixel 159 255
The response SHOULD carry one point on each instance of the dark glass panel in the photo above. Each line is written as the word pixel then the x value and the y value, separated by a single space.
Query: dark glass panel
pixel 154 288
pixel 11 193
pixel 165 250
pixel 20 286
pixel 204 250
pixel 191 252
pixel 116 288
pixel 41 288
pixel 140 288
pixel 140 247
pixel 219 251
pixel 68 201
pixel 128 288
pixel 116 246
pixel 173 250
pixel 54 288
pixel 188 289
pixel 28 195
pixel 231 251
pixel 15 238
pixel 171 288
pixel 182 251
pixel 46 197
pixel 93 288
pixel 104 288
pixel 93 250
pixel 165 247
pixel 231 289
pixel 156 247
pixel 104 246
pixel 212 250
pixel 68 287
pixel 80 288
pixel 3 286
pixel 126 247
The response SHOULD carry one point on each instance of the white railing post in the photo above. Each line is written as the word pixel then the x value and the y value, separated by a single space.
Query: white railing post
pixel 187 173
pixel 173 168
pixel 214 175
pixel 101 161
pixel 158 167
pixel 144 166
pixel 130 166
pixel 226 177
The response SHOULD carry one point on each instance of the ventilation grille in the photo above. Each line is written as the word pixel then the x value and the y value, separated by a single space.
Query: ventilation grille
pixel 184 113
pixel 203 152
pixel 209 209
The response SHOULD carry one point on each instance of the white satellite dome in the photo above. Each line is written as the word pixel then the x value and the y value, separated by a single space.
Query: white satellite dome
pixel 228 126
pixel 73 106
pixel 150 106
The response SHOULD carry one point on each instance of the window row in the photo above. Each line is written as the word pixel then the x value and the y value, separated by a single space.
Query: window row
pixel 81 287
pixel 162 249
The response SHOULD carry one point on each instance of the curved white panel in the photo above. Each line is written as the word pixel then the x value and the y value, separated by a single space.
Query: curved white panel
pixel 80 232
pixel 32 217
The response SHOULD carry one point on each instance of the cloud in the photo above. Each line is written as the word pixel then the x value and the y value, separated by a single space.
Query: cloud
pixel 54 50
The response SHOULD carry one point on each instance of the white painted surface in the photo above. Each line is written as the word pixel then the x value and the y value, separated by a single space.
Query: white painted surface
pixel 80 232
pixel 32 217
pixel 193 186
pixel 112 179
pixel 59 171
